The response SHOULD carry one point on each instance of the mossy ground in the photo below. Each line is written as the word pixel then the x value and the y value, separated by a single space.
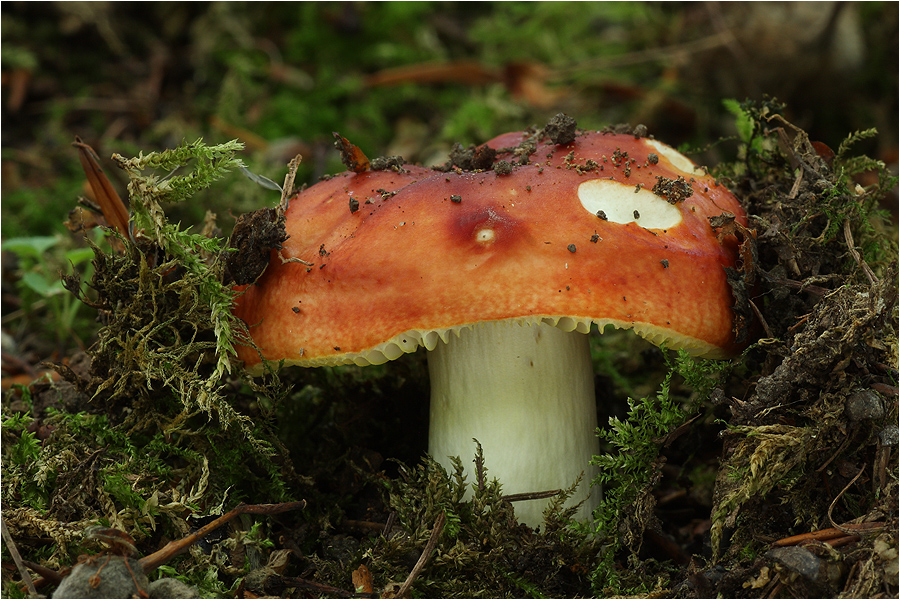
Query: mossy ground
pixel 137 425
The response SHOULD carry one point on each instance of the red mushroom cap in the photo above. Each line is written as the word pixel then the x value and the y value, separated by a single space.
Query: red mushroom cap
pixel 429 252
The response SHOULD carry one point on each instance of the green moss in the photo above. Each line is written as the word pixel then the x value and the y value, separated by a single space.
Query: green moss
pixel 632 467
pixel 22 458
pixel 482 551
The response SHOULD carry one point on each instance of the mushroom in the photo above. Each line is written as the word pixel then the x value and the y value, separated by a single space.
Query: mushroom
pixel 499 274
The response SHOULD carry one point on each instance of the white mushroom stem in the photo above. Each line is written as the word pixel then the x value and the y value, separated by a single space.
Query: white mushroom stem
pixel 526 393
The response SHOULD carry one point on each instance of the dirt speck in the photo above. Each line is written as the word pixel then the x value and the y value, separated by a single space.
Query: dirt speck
pixel 561 129
pixel 503 167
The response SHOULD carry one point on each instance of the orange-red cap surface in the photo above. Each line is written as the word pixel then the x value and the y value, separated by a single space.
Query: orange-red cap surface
pixel 428 252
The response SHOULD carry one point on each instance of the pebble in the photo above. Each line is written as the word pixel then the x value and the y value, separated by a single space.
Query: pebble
pixel 864 405
pixel 109 576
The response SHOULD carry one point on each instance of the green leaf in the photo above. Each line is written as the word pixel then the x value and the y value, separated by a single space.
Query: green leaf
pixel 30 246
pixel 41 285
pixel 79 255
pixel 260 180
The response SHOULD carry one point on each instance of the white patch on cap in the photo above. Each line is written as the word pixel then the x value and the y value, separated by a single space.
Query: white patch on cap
pixel 678 160
pixel 620 203
pixel 485 235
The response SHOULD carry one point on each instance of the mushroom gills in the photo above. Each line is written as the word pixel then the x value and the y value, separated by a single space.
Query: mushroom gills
pixel 410 341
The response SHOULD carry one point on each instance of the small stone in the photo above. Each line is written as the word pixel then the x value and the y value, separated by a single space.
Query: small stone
pixel 890 435
pixel 167 587
pixel 104 576
pixel 797 559
pixel 864 405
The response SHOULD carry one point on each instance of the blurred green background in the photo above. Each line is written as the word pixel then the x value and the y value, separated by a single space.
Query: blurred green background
pixel 411 79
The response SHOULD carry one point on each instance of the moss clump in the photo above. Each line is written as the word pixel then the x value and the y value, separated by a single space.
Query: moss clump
pixel 482 551
pixel 633 467
pixel 139 435
pixel 812 437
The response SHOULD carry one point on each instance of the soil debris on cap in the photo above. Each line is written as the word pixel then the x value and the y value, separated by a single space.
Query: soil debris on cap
pixel 503 167
pixel 673 190
pixel 255 235
pixel 472 158
pixel 561 129
pixel 387 163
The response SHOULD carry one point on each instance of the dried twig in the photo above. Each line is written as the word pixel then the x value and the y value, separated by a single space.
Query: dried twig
pixel 363 525
pixel 426 553
pixel 844 528
pixel 658 54
pixel 47 574
pixel 289 183
pixel 762 319
pixel 14 552
pixel 390 524
pixel 829 535
pixel 843 541
pixel 834 455
pixel 172 549
pixel 795 189
pixel 848 237
pixel 530 496
pixel 802 286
